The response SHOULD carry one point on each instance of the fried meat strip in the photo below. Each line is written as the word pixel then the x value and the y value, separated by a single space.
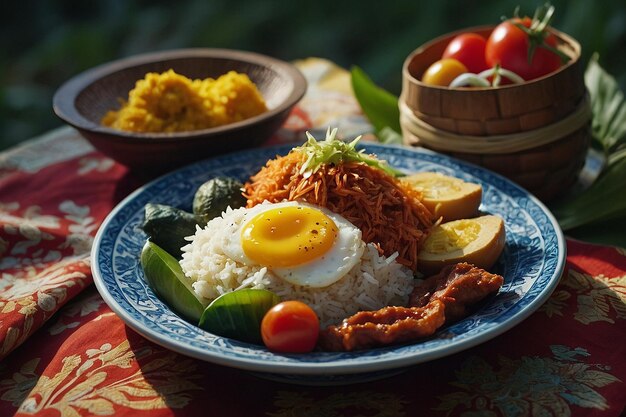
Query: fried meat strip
pixel 383 327
pixel 459 287
pixel 440 299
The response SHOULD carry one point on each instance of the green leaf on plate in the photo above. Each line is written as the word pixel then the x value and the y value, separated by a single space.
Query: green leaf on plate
pixel 168 226
pixel 238 314
pixel 379 105
pixel 168 281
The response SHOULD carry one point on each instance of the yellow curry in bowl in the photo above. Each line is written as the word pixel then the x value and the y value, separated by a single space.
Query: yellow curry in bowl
pixel 170 102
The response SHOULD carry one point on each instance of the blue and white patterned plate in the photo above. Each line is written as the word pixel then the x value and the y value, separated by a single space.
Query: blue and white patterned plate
pixel 531 264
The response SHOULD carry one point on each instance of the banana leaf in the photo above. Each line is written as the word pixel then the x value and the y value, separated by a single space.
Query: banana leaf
pixel 598 214
pixel 609 110
pixel 379 105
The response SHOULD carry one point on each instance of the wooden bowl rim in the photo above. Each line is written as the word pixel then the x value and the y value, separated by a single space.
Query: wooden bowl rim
pixel 562 36
pixel 65 97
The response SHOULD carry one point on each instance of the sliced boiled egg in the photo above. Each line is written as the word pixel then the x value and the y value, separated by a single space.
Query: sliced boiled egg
pixel 478 241
pixel 300 243
pixel 448 197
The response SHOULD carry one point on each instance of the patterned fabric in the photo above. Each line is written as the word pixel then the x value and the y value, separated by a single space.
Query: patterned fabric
pixel 65 353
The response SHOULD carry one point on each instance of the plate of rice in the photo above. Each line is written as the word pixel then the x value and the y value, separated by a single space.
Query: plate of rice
pixel 531 264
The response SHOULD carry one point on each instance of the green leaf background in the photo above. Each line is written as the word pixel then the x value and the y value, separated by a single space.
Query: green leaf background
pixel 54 40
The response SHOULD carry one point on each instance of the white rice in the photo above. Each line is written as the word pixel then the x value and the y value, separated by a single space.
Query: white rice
pixel 375 282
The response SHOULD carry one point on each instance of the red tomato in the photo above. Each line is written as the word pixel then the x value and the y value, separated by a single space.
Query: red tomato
pixel 290 326
pixel 469 49
pixel 508 46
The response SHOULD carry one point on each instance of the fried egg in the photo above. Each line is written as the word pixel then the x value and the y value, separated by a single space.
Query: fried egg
pixel 300 243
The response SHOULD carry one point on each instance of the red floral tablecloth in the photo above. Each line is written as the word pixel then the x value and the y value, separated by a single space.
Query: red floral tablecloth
pixel 65 353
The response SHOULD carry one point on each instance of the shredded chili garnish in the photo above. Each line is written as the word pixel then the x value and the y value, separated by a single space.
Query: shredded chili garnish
pixel 389 213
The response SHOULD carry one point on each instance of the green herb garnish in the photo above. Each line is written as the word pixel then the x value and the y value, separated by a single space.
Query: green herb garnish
pixel 334 151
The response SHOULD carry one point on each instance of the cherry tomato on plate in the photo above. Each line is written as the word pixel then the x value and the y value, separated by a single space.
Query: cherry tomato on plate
pixel 442 72
pixel 508 45
pixel 468 49
pixel 290 327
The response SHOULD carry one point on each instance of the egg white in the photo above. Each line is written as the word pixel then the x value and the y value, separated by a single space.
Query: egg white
pixel 323 271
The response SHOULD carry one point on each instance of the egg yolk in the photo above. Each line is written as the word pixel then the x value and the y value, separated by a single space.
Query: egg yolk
pixel 449 237
pixel 288 236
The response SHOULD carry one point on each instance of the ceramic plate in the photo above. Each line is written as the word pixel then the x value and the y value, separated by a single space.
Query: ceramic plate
pixel 531 264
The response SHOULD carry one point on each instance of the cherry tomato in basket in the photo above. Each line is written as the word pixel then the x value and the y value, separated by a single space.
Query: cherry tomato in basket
pixel 508 45
pixel 443 72
pixel 468 49
pixel 290 327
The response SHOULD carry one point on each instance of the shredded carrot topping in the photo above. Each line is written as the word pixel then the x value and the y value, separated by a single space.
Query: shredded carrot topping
pixel 389 213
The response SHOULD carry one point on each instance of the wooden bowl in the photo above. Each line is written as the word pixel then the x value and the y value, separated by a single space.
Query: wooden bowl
pixel 83 101
pixel 543 125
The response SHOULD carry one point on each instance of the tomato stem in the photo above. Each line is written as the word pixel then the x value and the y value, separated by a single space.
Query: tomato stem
pixel 497 78
pixel 538 31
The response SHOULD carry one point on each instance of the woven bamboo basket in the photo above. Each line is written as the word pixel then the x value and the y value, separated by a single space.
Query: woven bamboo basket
pixel 536 133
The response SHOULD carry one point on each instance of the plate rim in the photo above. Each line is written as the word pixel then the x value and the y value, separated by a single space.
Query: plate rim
pixel 338 367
